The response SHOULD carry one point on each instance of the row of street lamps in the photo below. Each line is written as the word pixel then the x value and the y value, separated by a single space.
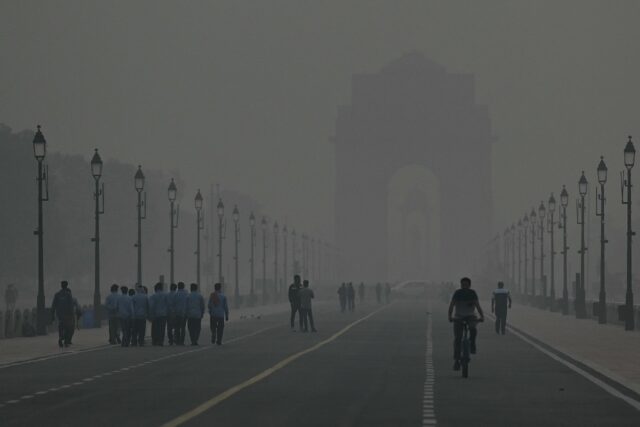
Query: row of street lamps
pixel 536 223
pixel 39 147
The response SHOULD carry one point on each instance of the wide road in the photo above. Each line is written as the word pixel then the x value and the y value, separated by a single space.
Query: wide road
pixel 384 365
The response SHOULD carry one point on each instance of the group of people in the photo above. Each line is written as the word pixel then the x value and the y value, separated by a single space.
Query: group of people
pixel 300 297
pixel 170 313
pixel 347 295
pixel 463 306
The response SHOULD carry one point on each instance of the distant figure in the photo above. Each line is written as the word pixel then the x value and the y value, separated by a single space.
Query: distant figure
pixel 361 292
pixel 11 297
pixel 306 295
pixel 124 308
pixel 351 297
pixel 195 312
pixel 218 312
pixel 294 301
pixel 387 293
pixel 378 293
pixel 180 308
pixel 158 310
pixel 62 307
pixel 500 303
pixel 171 313
pixel 77 311
pixel 111 306
pixel 140 315
pixel 342 295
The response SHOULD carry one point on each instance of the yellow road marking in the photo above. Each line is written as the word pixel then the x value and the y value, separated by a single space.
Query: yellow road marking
pixel 262 375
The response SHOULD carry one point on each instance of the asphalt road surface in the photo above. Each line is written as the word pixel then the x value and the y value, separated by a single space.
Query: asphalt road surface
pixel 386 365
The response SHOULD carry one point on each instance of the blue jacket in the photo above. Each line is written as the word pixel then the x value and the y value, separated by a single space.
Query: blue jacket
pixel 111 303
pixel 195 305
pixel 140 305
pixel 180 303
pixel 220 310
pixel 124 307
pixel 158 305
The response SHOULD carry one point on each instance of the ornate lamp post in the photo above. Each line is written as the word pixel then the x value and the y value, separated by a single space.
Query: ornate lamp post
pixel 542 213
pixel 629 160
pixel 252 225
pixel 551 205
pixel 40 152
pixel 173 224
pixel 199 227
pixel 221 237
pixel 142 214
pixel 276 232
pixel 285 272
pixel 294 252
pixel 525 232
pixel 564 202
pixel 533 220
pixel 264 260
pixel 600 204
pixel 520 256
pixel 581 308
pixel 98 196
pixel 236 236
pixel 512 232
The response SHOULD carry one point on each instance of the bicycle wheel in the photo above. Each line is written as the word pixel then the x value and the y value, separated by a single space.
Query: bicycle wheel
pixel 466 357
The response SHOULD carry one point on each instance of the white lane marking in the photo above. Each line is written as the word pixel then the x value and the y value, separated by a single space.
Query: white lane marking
pixel 606 387
pixel 89 379
pixel 428 412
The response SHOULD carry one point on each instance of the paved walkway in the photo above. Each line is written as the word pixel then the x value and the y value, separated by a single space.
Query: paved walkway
pixel 607 348
pixel 20 349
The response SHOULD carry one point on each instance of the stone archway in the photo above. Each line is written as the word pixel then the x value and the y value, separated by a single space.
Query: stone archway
pixel 412 113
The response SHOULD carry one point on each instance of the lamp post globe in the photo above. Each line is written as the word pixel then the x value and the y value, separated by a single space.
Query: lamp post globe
pixel 139 179
pixel 96 165
pixel 629 154
pixel 564 197
pixel 583 185
pixel 39 145
pixel 172 191
pixel 551 204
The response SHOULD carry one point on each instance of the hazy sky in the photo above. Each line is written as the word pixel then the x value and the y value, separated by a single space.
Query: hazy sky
pixel 245 92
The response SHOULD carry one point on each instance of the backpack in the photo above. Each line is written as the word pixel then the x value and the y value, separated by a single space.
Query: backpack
pixel 215 299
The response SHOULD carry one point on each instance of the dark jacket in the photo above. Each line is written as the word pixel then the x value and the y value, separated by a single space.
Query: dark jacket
pixel 62 305
pixel 294 294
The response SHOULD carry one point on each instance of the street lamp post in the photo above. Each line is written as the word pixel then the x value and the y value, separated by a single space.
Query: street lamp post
pixel 264 260
pixel 305 258
pixel 199 227
pixel 236 235
pixel 520 256
pixel 142 214
pixel 96 171
pixel 294 250
pixel 252 225
pixel 39 152
pixel 581 309
pixel 600 205
pixel 533 218
pixel 552 251
pixel 629 160
pixel 513 253
pixel 221 237
pixel 525 232
pixel 564 202
pixel 173 224
pixel 285 272
pixel 276 230
pixel 542 212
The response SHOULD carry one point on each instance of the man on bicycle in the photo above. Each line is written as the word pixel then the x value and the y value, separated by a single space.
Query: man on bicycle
pixel 465 301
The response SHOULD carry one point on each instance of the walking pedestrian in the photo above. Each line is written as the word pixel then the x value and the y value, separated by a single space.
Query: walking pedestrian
pixel 62 307
pixel 306 295
pixel 140 315
pixel 361 292
pixel 294 301
pixel 195 312
pixel 218 312
pixel 500 303
pixel 180 308
pixel 111 305
pixel 171 313
pixel 342 296
pixel 124 309
pixel 351 297
pixel 378 293
pixel 158 309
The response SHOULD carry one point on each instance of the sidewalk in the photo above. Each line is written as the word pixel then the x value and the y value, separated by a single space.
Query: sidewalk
pixel 14 350
pixel 608 349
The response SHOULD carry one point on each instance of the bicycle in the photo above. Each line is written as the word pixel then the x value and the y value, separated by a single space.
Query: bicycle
pixel 465 345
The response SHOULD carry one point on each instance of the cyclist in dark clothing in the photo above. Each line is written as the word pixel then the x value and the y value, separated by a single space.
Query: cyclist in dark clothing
pixel 294 300
pixel 465 301
pixel 500 303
